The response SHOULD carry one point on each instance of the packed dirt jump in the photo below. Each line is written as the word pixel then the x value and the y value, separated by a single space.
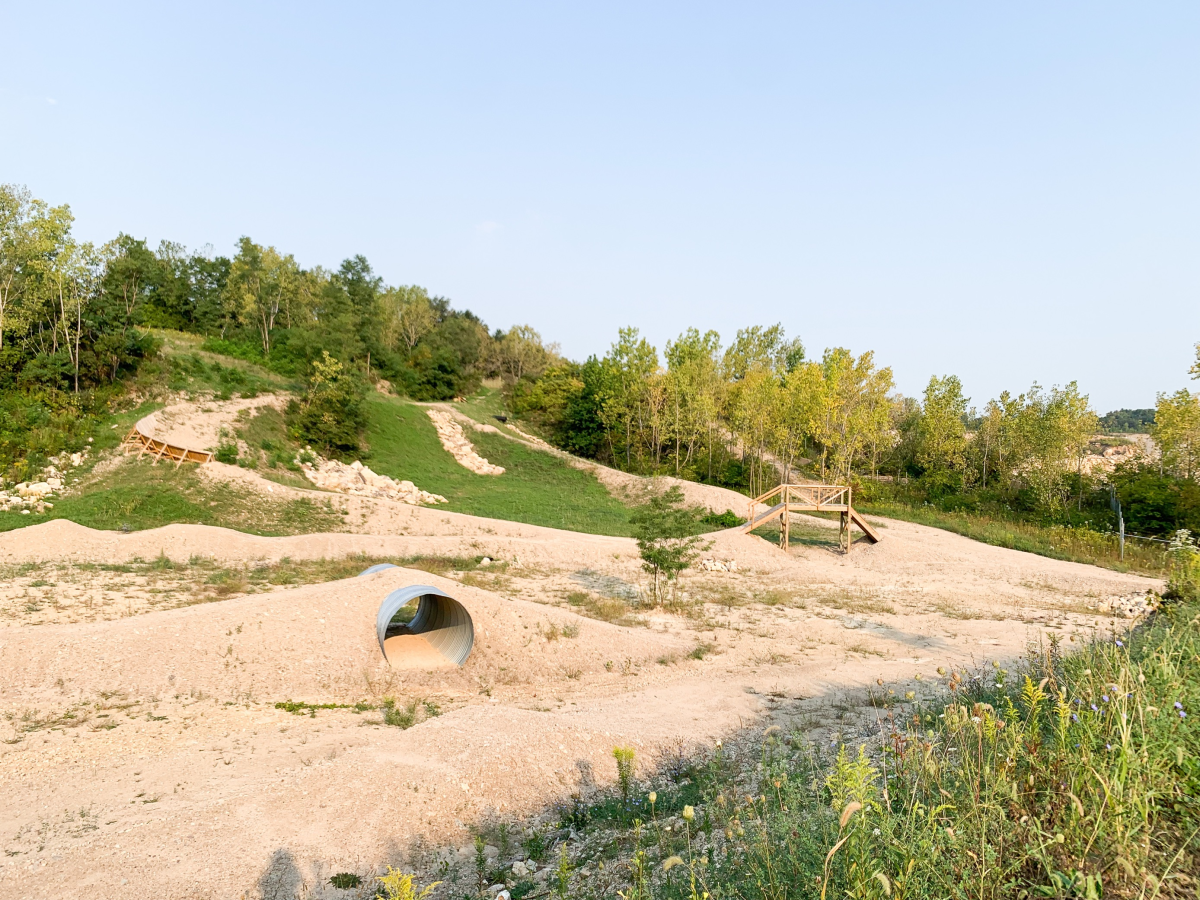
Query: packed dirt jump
pixel 160 766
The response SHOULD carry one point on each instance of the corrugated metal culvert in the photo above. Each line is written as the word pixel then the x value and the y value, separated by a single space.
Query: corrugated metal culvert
pixel 440 619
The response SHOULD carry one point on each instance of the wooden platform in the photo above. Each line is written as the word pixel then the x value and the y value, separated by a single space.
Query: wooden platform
pixel 162 450
pixel 790 498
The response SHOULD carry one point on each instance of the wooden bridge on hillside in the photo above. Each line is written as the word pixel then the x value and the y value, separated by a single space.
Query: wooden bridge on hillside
pixel 780 502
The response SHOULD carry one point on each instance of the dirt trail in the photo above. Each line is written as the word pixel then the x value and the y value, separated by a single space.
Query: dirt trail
pixel 162 768
pixel 144 756
pixel 197 426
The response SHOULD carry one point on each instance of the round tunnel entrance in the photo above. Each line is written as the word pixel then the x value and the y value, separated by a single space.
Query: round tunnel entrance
pixel 420 626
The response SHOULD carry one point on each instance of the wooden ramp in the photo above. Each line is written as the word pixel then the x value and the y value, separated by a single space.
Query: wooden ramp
pixel 162 450
pixel 790 498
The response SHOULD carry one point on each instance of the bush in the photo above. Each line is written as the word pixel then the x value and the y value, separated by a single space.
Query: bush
pixel 330 417
pixel 226 453
pixel 1070 776
pixel 727 519
pixel 1184 583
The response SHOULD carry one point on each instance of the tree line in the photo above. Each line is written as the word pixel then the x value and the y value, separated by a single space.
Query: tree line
pixel 75 318
pixel 74 315
pixel 759 412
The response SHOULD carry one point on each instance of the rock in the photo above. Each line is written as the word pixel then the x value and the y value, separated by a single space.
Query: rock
pixel 496 890
pixel 715 565
pixel 451 435
pixel 359 480
pixel 1134 606
pixel 519 869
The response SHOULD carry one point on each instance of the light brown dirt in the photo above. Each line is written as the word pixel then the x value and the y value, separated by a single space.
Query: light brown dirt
pixel 144 756
pixel 197 426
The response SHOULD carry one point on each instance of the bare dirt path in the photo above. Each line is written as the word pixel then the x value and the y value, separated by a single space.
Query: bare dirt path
pixel 144 756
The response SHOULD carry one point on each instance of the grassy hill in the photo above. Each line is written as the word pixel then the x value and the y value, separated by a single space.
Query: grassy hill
pixel 537 488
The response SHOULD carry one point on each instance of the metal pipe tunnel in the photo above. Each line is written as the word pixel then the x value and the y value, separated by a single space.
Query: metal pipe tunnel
pixel 441 621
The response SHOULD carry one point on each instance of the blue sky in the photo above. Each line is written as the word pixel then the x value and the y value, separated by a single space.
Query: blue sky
pixel 1006 192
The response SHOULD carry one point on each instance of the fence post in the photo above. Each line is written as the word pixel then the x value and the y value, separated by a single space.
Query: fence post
pixel 1121 525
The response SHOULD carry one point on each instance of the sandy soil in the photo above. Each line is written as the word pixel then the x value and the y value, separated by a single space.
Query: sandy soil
pixel 143 755
pixel 197 426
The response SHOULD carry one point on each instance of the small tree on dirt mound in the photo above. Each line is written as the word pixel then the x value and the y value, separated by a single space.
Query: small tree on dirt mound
pixel 330 417
pixel 666 537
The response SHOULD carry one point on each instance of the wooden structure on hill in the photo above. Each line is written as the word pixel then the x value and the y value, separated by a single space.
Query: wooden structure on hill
pixel 162 450
pixel 790 498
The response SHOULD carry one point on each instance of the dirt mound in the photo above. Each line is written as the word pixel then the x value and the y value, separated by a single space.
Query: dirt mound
pixel 197 425
pixel 146 756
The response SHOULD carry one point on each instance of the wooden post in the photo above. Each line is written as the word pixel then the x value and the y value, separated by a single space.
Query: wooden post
pixel 849 507
pixel 783 519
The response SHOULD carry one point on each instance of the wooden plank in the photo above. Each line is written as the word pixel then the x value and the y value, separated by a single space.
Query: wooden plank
pixel 871 534
pixel 762 517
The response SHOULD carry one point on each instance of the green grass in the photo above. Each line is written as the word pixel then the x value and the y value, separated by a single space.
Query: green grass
pixel 1066 775
pixel 140 495
pixel 537 488
pixel 1055 541
pixel 188 367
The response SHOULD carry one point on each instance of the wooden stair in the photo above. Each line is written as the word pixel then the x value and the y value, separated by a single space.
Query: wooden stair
pixel 791 498
pixel 764 517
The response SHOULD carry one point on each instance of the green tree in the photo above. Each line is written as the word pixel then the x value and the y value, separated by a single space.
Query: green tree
pixel 693 391
pixel 622 392
pixel 1177 431
pixel 261 283
pixel 942 438
pixel 330 417
pixel 520 352
pixel 666 538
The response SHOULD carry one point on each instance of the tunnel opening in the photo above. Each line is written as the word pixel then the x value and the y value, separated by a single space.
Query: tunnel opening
pixel 420 626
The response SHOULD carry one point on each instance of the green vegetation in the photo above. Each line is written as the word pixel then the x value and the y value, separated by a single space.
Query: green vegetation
pixel 139 495
pixel 1128 421
pixel 1068 775
pixel 666 537
pixel 310 709
pixel 396 714
pixel 1002 528
pixel 537 488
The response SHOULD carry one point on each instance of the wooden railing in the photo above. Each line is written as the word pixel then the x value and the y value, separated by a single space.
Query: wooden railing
pixel 785 499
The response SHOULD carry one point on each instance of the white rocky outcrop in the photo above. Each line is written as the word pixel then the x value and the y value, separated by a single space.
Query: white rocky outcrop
pixel 451 435
pixel 360 481
pixel 718 565
pixel 36 495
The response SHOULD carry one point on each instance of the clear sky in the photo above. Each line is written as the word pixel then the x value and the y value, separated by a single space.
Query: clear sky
pixel 1008 192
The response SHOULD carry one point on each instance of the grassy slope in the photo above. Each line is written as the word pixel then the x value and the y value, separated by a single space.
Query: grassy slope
pixel 141 495
pixel 1073 544
pixel 536 488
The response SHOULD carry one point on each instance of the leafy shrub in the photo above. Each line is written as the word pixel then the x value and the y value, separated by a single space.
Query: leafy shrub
pixel 227 453
pixel 330 417
pixel 727 519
